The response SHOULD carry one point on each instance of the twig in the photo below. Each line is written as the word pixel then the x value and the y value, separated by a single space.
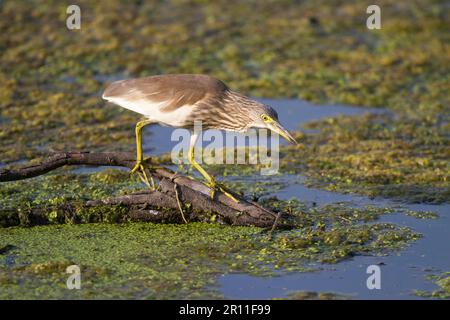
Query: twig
pixel 177 196
pixel 274 226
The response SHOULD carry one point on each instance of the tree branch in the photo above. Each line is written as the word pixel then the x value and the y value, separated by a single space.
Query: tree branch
pixel 191 192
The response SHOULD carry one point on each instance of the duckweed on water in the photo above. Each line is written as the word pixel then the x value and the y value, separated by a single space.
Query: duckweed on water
pixel 64 186
pixel 143 260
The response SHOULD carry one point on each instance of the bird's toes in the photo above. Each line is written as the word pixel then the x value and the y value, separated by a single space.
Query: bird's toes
pixel 137 166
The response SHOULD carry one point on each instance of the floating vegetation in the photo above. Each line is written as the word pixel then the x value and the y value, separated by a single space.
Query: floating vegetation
pixel 144 260
pixel 53 189
pixel 376 155
pixel 422 214
pixel 443 281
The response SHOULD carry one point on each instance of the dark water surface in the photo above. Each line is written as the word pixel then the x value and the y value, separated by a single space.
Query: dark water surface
pixel 401 272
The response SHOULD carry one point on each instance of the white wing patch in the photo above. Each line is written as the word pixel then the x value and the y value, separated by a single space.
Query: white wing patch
pixel 151 110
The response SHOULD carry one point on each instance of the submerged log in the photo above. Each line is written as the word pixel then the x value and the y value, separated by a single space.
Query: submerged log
pixel 177 199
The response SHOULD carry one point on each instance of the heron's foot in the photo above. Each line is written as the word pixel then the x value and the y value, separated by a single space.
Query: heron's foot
pixel 216 186
pixel 139 168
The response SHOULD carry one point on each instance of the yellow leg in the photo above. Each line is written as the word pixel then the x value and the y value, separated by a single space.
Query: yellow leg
pixel 139 154
pixel 211 182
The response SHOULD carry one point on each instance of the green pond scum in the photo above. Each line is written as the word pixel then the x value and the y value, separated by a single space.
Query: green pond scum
pixel 145 260
pixel 442 281
pixel 51 80
pixel 376 155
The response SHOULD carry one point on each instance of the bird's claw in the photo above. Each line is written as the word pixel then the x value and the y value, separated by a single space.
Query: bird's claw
pixel 220 187
pixel 140 166
pixel 137 167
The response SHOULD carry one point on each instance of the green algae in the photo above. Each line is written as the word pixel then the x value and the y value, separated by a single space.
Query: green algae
pixel 375 155
pixel 59 198
pixel 422 214
pixel 144 260
pixel 443 282
pixel 63 186
pixel 132 260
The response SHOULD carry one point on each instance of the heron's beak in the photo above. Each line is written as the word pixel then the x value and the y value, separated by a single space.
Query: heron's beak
pixel 278 128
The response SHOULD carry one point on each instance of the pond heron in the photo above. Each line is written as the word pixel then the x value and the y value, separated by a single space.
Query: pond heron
pixel 177 100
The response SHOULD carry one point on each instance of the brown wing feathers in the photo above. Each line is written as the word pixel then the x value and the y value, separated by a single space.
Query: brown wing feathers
pixel 175 90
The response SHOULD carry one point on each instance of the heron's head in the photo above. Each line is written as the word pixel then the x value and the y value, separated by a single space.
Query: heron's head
pixel 264 116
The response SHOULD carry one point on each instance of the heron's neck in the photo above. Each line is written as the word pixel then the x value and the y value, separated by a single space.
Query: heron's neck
pixel 238 100
pixel 235 115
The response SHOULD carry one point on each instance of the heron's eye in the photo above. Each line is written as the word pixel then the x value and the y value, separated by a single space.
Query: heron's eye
pixel 266 118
